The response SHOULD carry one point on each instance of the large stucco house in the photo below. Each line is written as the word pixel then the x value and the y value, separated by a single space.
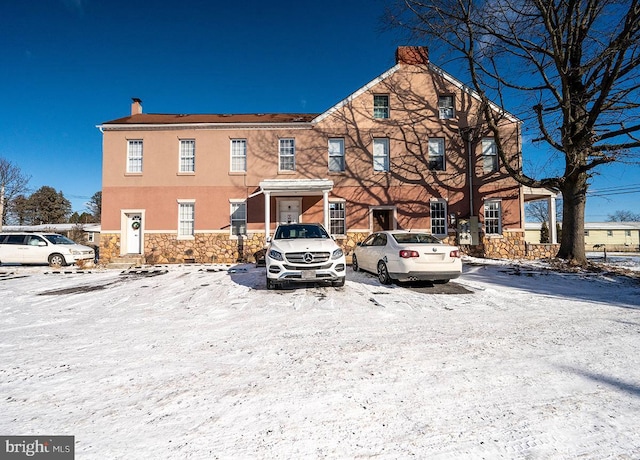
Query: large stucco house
pixel 405 151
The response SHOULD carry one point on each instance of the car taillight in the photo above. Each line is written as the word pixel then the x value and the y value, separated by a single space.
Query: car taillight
pixel 455 253
pixel 405 254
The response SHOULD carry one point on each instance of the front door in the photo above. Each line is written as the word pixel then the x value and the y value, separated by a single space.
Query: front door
pixel 134 233
pixel 289 211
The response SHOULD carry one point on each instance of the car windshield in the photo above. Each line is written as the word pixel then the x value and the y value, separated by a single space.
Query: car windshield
pixel 287 232
pixel 59 239
pixel 415 238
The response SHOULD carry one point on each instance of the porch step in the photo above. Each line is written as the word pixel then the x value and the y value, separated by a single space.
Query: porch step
pixel 126 261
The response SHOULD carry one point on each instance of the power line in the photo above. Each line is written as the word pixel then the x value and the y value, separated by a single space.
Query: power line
pixel 609 191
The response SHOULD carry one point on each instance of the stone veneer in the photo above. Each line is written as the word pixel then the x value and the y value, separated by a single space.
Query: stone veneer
pixel 163 248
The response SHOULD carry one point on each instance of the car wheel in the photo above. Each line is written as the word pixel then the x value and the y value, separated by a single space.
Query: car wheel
pixel 271 284
pixel 383 273
pixel 354 263
pixel 57 260
pixel 339 283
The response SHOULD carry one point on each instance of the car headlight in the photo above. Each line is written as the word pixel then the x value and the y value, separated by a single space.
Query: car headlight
pixel 337 254
pixel 76 252
pixel 275 255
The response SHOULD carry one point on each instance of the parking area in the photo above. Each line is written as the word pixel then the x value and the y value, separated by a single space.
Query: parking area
pixel 205 362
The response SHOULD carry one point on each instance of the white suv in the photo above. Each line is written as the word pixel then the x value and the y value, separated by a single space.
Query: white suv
pixel 304 253
pixel 41 248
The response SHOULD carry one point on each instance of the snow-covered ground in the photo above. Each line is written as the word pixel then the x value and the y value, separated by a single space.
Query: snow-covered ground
pixel 194 362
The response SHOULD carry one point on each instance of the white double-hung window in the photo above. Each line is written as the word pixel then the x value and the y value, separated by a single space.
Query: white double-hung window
pixel 238 155
pixel 489 155
pixel 336 155
pixel 287 155
pixel 436 154
pixel 134 156
pixel 380 106
pixel 186 218
pixel 493 217
pixel 445 107
pixel 187 155
pixel 238 217
pixel 337 218
pixel 381 154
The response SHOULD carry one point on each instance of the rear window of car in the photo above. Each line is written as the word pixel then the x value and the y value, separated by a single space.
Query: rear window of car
pixel 415 238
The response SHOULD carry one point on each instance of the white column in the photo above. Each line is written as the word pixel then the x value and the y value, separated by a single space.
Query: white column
pixel 267 215
pixel 325 201
pixel 551 201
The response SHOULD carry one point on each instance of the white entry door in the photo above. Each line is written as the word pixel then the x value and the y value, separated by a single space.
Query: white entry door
pixel 134 233
pixel 289 211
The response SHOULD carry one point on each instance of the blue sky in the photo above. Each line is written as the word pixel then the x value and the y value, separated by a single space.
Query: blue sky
pixel 69 65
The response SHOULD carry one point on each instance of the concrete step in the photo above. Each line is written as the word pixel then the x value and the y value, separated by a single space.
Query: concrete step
pixel 126 261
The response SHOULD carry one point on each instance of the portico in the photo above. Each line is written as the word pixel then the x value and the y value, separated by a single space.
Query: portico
pixel 289 192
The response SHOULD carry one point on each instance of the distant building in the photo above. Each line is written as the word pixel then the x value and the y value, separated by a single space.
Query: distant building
pixel 614 236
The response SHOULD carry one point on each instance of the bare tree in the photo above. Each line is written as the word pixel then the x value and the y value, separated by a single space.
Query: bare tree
pixel 539 211
pixel 572 66
pixel 94 206
pixel 623 216
pixel 12 183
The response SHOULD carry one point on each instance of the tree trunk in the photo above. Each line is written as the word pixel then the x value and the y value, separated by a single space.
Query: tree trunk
pixel 574 198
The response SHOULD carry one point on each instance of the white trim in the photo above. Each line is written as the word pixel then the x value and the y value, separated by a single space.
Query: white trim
pixel 446 215
pixel 470 91
pixel 355 94
pixel 166 126
pixel 232 140
pixel 191 236
pixel 237 201
pixel 287 187
pixel 124 231
pixel 434 68
pixel 279 201
pixel 383 208
pixel 180 158
pixel 484 216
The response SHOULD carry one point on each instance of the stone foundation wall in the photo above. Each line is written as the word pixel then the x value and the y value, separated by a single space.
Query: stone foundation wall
pixel 511 245
pixel 109 247
pixel 204 248
pixel 162 248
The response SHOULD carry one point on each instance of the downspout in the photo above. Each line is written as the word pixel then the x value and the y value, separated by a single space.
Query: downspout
pixel 465 134
pixel 471 170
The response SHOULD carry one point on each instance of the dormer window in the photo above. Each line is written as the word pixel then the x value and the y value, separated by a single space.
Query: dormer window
pixel 445 107
pixel 380 106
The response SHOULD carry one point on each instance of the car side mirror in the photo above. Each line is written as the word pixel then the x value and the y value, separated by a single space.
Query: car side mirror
pixel 359 244
pixel 269 239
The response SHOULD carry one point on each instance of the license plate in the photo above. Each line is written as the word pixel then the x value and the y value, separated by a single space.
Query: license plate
pixel 309 274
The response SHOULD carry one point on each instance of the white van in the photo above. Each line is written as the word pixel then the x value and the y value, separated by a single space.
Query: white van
pixel 41 248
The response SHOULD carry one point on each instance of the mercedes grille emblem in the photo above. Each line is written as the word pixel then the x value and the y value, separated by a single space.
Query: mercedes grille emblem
pixel 308 257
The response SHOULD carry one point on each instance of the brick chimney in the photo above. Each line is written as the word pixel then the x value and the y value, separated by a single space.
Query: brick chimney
pixel 136 106
pixel 412 55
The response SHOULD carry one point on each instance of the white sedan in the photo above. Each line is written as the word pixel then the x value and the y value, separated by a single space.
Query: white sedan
pixel 407 256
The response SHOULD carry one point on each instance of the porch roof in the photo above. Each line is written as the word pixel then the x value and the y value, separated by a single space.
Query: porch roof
pixel 296 186
pixel 534 194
